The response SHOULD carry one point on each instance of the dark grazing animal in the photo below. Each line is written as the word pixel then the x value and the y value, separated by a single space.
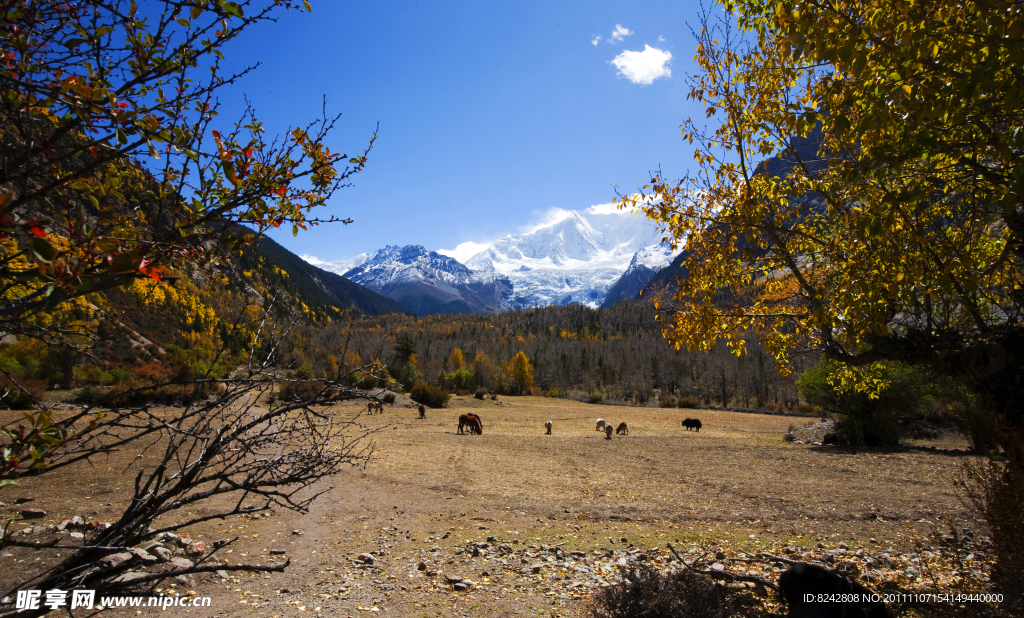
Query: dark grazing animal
pixel 471 422
pixel 804 579
pixel 692 423
pixel 623 429
pixel 423 411
pixel 547 425
pixel 608 431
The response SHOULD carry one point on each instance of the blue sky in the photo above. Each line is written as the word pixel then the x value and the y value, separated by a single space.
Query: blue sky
pixel 490 115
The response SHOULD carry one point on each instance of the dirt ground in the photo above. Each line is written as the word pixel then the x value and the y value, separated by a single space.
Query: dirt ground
pixel 430 495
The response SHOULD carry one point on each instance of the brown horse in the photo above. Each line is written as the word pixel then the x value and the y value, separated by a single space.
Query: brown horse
pixel 608 431
pixel 373 405
pixel 470 421
pixel 623 429
pixel 423 411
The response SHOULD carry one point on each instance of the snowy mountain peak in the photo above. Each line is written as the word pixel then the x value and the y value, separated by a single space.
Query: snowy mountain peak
pixel 393 263
pixel 428 282
pixel 575 259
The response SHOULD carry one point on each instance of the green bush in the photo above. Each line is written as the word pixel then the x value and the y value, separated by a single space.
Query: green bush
pixel 389 398
pixel 884 420
pixel 461 380
pixel 594 398
pixel 481 393
pixel 666 403
pixel 430 396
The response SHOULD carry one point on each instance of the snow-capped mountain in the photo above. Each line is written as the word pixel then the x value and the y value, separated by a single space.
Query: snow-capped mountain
pixel 642 268
pixel 577 259
pixel 428 282
pixel 595 257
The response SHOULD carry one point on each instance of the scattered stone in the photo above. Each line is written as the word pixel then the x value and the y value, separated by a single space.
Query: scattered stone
pixel 103 525
pixel 143 555
pixel 23 500
pixel 843 546
pixel 297 532
pixel 160 552
pixel 78 536
pixel 365 558
pixel 460 587
pixel 115 560
pixel 222 574
pixel 278 552
pixel 181 563
pixel 422 566
pixel 181 579
pixel 32 513
pixel 535 569
pixel 130 576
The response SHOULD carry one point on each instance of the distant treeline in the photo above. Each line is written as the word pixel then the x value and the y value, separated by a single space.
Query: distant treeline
pixel 574 351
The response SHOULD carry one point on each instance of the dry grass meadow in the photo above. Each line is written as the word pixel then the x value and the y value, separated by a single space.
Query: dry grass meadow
pixel 736 474
pixel 736 484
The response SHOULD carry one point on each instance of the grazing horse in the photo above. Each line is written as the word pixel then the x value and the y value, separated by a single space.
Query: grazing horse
pixel 479 421
pixel 608 431
pixel 472 422
pixel 600 424
pixel 547 425
pixel 373 405
pixel 692 423
pixel 623 429
pixel 423 411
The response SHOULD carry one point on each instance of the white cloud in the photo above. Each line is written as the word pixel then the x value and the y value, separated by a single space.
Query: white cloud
pixel 314 260
pixel 595 40
pixel 619 34
pixel 661 38
pixel 643 67
pixel 465 251
pixel 603 209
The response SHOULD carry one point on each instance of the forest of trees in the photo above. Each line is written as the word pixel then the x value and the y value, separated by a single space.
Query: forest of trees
pixel 618 354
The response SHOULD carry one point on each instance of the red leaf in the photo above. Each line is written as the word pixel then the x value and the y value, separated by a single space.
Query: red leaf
pixel 38 231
